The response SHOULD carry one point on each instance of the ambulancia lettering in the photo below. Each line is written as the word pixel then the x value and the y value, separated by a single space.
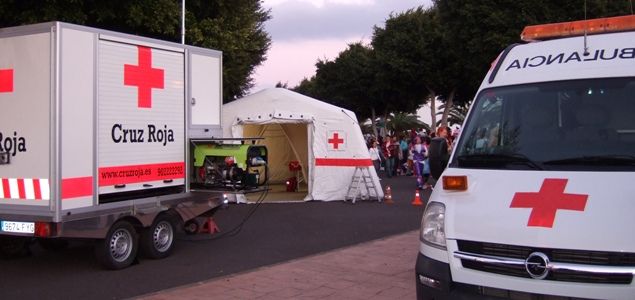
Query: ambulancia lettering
pixel 12 144
pixel 565 58
pixel 121 134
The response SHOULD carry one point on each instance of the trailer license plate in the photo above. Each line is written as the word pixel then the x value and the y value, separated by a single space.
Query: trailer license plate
pixel 18 227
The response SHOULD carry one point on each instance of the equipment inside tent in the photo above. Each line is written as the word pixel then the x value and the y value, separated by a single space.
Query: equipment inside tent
pixel 317 144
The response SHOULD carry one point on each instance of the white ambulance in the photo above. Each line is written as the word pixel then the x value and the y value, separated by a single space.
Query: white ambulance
pixel 538 199
pixel 96 130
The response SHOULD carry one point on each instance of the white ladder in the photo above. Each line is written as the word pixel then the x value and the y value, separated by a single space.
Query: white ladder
pixel 360 183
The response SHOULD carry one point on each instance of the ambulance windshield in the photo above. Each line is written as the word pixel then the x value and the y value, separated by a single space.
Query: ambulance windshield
pixel 568 125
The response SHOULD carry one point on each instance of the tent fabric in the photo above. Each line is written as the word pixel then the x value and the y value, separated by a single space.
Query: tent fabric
pixel 325 139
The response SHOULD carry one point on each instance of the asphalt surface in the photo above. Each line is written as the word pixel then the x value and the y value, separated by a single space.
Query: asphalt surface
pixel 275 233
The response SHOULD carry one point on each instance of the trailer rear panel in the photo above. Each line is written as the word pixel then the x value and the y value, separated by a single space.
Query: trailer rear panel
pixel 25 88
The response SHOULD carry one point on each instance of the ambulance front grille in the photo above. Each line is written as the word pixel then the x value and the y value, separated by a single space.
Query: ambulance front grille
pixel 580 257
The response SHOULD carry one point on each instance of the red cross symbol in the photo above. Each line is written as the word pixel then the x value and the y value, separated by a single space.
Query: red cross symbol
pixel 144 77
pixel 547 201
pixel 6 81
pixel 336 141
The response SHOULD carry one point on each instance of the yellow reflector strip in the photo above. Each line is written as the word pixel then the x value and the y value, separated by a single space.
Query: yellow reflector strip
pixel 577 28
pixel 455 183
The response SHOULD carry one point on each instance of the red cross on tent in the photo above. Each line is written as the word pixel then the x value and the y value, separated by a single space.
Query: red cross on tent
pixel 6 80
pixel 335 138
pixel 546 202
pixel 144 77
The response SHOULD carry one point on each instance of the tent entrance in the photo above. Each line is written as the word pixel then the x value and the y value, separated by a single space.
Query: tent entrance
pixel 285 142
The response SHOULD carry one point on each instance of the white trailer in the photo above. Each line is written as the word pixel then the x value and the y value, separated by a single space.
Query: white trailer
pixel 95 136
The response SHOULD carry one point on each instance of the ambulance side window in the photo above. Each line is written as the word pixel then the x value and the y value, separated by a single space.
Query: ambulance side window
pixel 484 137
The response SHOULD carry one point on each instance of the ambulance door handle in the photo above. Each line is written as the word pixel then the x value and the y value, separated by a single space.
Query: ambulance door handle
pixel 193 101
pixel 120 186
pixel 147 185
pixel 168 181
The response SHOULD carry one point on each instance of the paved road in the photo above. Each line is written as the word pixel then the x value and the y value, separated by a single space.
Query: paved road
pixel 377 270
pixel 275 233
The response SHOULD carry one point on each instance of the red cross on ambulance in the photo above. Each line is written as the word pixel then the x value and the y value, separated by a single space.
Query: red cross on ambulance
pixel 144 77
pixel 336 140
pixel 6 80
pixel 545 203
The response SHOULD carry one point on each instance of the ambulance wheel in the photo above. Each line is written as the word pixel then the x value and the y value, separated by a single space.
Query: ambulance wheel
pixel 157 241
pixel 191 227
pixel 14 246
pixel 119 249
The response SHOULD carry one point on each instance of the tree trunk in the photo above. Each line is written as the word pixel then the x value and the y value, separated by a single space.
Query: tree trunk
pixel 386 130
pixel 448 107
pixel 433 109
pixel 373 122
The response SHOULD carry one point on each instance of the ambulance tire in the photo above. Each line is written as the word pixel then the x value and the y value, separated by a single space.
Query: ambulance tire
pixel 157 241
pixel 119 249
pixel 14 246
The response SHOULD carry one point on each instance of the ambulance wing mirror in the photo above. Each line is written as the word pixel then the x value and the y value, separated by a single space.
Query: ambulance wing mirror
pixel 5 158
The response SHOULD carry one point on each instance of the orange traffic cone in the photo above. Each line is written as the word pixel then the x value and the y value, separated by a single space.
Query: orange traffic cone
pixel 388 196
pixel 417 200
pixel 210 226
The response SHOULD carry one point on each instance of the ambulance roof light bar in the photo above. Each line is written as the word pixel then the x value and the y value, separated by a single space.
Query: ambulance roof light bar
pixel 577 28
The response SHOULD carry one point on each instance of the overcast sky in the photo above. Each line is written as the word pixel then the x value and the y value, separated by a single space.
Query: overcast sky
pixel 304 30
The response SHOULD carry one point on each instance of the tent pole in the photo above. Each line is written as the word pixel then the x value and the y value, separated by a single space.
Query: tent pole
pixel 295 152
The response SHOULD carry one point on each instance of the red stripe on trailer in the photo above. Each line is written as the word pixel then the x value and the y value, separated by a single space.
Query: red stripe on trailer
pixel 21 190
pixel 36 189
pixel 141 173
pixel 6 188
pixel 343 162
pixel 77 187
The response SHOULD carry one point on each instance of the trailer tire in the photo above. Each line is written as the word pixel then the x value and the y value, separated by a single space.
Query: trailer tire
pixel 191 227
pixel 14 246
pixel 157 241
pixel 119 249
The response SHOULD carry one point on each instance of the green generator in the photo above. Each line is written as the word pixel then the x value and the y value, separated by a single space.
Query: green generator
pixel 231 166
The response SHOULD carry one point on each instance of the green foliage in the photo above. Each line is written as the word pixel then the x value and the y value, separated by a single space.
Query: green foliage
pixel 234 27
pixel 444 50
pixel 348 81
pixel 401 122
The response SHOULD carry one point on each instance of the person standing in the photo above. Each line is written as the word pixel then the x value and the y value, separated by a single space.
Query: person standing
pixel 439 152
pixel 403 147
pixel 374 155
pixel 418 157
pixel 389 166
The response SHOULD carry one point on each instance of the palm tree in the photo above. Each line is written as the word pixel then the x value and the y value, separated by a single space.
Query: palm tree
pixel 400 122
pixel 456 114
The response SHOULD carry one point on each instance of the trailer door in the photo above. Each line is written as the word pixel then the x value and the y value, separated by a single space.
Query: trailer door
pixel 206 93
pixel 25 126
pixel 141 143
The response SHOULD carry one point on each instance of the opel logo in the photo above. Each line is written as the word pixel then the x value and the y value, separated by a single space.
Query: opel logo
pixel 537 265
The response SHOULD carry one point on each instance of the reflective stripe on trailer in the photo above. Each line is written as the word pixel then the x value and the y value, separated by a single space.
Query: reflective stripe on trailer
pixel 25 188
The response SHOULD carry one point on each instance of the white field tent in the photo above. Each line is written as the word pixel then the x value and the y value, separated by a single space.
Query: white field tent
pixel 325 139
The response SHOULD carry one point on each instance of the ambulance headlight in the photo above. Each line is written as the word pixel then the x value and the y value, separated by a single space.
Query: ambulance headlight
pixel 433 225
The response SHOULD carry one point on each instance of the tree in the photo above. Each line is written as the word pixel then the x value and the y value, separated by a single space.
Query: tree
pixel 400 122
pixel 234 27
pixel 477 31
pixel 412 57
pixel 347 81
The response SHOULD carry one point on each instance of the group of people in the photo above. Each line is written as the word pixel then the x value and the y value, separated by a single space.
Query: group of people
pixel 415 154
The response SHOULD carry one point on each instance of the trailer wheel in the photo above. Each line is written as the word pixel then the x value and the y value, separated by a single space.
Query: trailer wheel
pixel 191 227
pixel 119 249
pixel 157 241
pixel 14 246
